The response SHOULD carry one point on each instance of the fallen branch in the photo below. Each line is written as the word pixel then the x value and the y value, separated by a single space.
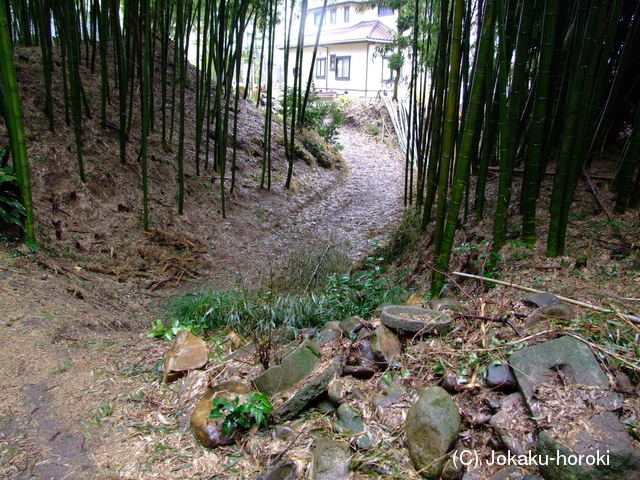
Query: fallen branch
pixel 590 306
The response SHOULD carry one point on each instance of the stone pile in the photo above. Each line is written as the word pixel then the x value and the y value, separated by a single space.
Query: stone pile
pixel 553 403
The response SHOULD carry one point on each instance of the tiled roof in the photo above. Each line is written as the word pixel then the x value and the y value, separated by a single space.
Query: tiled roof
pixel 370 31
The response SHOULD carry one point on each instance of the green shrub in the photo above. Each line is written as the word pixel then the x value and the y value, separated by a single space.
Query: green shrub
pixel 255 313
pixel 12 211
pixel 403 238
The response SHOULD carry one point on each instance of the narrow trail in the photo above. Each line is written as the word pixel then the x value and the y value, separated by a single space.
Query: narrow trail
pixel 361 207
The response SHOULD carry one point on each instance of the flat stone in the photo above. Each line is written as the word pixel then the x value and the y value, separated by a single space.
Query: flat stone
pixel 283 470
pixel 561 311
pixel 331 331
pixel 415 320
pixel 391 395
pixel 385 346
pixel 540 364
pixel 508 423
pixel 358 371
pixel 331 459
pixel 187 352
pixel 601 436
pixel 351 422
pixel 314 387
pixel 499 376
pixel 432 426
pixel 541 299
pixel 209 431
pixel 348 325
pixel 294 368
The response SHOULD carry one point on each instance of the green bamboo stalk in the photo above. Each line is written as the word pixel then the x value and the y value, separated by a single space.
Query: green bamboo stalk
pixel 463 163
pixel 15 124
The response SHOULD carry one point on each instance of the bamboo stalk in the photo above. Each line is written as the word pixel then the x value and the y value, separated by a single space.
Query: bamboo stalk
pixel 579 303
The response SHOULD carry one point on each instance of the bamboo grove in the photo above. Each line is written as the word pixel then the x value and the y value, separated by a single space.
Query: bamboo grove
pixel 148 42
pixel 529 86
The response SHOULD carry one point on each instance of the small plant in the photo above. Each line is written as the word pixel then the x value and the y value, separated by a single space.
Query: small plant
pixel 168 333
pixel 12 212
pixel 251 413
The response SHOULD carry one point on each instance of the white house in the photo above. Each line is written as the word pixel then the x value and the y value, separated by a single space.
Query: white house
pixel 347 61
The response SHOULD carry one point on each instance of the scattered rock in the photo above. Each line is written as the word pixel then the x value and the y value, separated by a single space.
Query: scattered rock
pixel 499 376
pixel 365 354
pixel 619 253
pixel 187 352
pixel 348 325
pixel 335 391
pixel 541 299
pixel 331 459
pixel 561 311
pixel 351 422
pixel 415 320
pixel 207 430
pixel 358 371
pixel 385 346
pixel 282 433
pixel 283 470
pixel 452 382
pixel 432 428
pixel 329 333
pixel 452 470
pixel 294 368
pixel 508 423
pixel 623 384
pixel 314 387
pixel 389 396
pixel 602 439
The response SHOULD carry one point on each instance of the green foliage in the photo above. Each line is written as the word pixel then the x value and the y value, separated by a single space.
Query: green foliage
pixel 322 116
pixel 243 415
pixel 168 333
pixel 12 212
pixel 404 238
pixel 255 313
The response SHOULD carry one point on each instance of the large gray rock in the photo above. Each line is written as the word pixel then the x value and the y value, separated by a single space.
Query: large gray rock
pixel 542 363
pixel 570 398
pixel 415 320
pixel 607 451
pixel 294 368
pixel 331 459
pixel 331 331
pixel 432 428
pixel 187 352
pixel 541 299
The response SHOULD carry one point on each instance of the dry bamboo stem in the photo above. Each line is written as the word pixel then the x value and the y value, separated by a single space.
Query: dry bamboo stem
pixel 631 318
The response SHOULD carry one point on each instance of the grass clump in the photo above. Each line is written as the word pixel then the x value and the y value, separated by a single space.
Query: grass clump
pixel 403 239
pixel 255 313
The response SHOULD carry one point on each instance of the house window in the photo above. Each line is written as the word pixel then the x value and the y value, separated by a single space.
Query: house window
pixel 384 11
pixel 388 75
pixel 346 14
pixel 321 67
pixel 316 18
pixel 343 68
pixel 332 15
pixel 332 63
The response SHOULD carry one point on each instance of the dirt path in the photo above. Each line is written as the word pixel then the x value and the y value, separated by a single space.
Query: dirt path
pixel 362 206
pixel 80 398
